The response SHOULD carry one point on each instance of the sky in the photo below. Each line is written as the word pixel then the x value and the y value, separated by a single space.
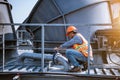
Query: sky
pixel 21 9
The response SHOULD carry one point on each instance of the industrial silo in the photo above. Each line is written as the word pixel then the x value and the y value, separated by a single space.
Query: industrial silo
pixel 7 34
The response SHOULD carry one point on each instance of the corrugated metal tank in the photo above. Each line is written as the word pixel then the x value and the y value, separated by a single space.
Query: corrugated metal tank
pixel 69 12
pixel 4 17
pixel 8 31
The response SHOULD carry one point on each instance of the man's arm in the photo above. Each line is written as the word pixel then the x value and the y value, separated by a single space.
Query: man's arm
pixel 74 40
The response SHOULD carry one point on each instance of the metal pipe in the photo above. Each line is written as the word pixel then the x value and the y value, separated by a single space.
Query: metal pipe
pixel 63 60
pixel 89 50
pixel 3 39
pixel 42 48
pixel 34 24
pixel 47 57
pixel 34 56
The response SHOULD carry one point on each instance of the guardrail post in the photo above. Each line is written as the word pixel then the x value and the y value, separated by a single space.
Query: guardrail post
pixel 42 64
pixel 3 42
pixel 89 50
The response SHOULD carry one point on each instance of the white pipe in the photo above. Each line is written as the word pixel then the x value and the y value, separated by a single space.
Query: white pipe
pixel 58 57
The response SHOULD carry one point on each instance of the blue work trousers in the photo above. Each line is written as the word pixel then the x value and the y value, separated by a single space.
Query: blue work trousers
pixel 74 55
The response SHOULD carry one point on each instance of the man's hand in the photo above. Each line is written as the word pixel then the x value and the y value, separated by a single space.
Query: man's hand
pixel 56 48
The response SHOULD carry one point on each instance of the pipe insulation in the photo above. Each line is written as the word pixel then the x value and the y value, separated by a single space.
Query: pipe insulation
pixel 34 56
pixel 58 58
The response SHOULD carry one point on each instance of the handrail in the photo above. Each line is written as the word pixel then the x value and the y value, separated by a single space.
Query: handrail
pixel 43 31
pixel 39 24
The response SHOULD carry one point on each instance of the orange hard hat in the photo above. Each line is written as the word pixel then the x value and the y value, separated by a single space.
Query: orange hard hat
pixel 70 29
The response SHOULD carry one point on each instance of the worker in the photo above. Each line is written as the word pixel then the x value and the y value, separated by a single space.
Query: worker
pixel 76 49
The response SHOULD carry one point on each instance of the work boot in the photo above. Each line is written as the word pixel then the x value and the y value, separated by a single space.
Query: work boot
pixel 85 66
pixel 76 69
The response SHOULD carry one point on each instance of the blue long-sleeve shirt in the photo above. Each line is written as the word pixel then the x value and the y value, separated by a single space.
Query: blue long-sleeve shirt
pixel 75 40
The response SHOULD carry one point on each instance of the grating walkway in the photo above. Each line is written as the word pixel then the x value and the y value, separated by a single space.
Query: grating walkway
pixel 37 69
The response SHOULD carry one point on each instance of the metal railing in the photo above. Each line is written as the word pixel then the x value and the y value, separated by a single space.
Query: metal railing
pixel 43 38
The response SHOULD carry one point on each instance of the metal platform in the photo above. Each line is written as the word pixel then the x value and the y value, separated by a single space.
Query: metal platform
pixel 31 72
pixel 58 69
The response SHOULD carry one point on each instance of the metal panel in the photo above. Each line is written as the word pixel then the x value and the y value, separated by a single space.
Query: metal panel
pixel 45 11
pixel 94 14
pixel 76 12
pixel 73 5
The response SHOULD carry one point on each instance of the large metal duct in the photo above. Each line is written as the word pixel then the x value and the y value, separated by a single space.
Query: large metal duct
pixel 69 12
